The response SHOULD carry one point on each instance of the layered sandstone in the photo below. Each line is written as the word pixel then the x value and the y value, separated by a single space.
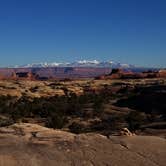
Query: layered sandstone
pixel 33 145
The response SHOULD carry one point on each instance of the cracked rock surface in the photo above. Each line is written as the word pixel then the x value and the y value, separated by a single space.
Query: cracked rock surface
pixel 32 145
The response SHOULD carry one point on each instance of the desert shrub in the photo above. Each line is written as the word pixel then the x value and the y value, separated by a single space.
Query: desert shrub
pixel 5 122
pixel 20 108
pixel 83 99
pixel 55 85
pixel 5 102
pixel 116 121
pixel 98 102
pixel 53 109
pixel 76 128
pixel 34 89
pixel 110 123
pixel 19 112
pixel 25 120
pixel 55 121
pixel 135 119
pixel 65 90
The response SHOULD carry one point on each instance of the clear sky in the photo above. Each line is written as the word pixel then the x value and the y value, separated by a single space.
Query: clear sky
pixel 128 31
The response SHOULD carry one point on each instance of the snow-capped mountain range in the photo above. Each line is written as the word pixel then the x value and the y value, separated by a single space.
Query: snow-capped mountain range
pixel 81 63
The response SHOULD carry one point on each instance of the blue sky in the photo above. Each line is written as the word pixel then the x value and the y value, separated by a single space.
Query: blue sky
pixel 129 31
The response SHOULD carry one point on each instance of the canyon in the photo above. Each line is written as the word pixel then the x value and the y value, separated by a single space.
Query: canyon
pixel 48 73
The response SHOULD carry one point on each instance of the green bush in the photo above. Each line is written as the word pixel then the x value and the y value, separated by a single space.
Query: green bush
pixel 55 121
pixel 135 120
pixel 76 128
pixel 5 122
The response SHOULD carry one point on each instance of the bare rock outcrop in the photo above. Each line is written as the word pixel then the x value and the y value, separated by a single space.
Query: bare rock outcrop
pixel 33 145
pixel 126 132
pixel 162 73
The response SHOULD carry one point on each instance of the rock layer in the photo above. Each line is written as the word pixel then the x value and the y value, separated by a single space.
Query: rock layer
pixel 33 145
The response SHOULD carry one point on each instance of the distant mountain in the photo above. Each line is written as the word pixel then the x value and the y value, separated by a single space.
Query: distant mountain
pixel 81 63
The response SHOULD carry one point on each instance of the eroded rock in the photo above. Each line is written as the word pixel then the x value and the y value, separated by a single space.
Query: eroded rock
pixel 33 145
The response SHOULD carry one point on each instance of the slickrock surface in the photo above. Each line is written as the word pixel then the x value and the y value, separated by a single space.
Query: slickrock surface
pixel 32 145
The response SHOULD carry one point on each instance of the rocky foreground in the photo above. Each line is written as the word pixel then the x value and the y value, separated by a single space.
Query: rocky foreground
pixel 32 145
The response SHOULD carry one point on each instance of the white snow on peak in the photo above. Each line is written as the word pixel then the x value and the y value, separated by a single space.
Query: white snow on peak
pixel 88 61
pixel 80 63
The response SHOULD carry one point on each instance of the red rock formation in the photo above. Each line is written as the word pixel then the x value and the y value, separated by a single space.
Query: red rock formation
pixel 75 73
pixel 2 77
pixel 55 72
pixel 23 76
pixel 123 74
pixel 162 73
pixel 14 76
